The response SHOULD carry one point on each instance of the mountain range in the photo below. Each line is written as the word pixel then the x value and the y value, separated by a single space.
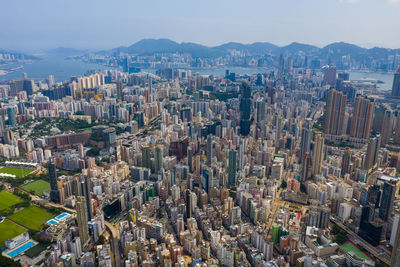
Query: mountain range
pixel 338 49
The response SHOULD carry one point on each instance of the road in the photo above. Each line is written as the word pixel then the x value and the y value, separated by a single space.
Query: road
pixel 114 243
pixel 357 239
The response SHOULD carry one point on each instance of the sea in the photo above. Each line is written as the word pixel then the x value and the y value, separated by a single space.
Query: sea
pixel 62 69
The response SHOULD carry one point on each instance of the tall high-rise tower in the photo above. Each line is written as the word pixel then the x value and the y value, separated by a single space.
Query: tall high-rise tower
pixel 54 193
pixel 119 90
pixel 396 137
pixel 372 152
pixel 81 216
pixel 260 107
pixel 190 157
pixel 245 108
pixel 395 261
pixel 146 156
pixel 306 135
pixel 387 200
pixel 210 149
pixel 387 125
pixel 241 155
pixel 86 193
pixel 346 160
pixel 330 75
pixel 335 112
pixel 158 154
pixel 12 116
pixel 362 118
pixel 232 167
pixel 396 84
pixel 318 153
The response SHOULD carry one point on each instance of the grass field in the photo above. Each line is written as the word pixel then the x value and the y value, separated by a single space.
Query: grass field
pixel 8 199
pixel 349 246
pixel 34 251
pixel 8 230
pixel 38 187
pixel 31 217
pixel 20 173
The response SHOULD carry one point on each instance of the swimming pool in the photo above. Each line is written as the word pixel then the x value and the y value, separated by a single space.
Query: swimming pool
pixel 20 249
pixel 62 216
pixel 52 222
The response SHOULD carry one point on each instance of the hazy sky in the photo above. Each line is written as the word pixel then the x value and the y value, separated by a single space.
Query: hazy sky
pixel 99 24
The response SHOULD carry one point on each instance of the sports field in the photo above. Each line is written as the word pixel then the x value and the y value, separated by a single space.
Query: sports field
pixel 20 173
pixel 38 187
pixel 8 230
pixel 8 199
pixel 34 251
pixel 32 217
pixel 349 246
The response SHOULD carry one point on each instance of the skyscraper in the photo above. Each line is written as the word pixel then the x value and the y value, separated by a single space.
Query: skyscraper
pixel 2 125
pixel 125 64
pixel 372 152
pixel 305 166
pixel 245 106
pixel 86 193
pixel 190 158
pixel 146 156
pixel 119 90
pixel 335 112
pixel 318 153
pixel 362 118
pixel 396 84
pixel 387 125
pixel 158 158
pixel 241 155
pixel 330 75
pixel 346 160
pixel 189 203
pixel 81 216
pixel 19 85
pixel 12 116
pixel 397 129
pixel 50 81
pixel 395 261
pixel 306 135
pixel 54 193
pixel 210 150
pixel 232 167
pixel 387 200
pixel 260 107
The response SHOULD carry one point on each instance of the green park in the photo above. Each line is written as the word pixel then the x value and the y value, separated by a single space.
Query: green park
pixel 37 187
pixel 32 217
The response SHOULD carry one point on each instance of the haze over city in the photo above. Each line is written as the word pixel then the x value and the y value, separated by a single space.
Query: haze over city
pixel 200 133
pixel 33 26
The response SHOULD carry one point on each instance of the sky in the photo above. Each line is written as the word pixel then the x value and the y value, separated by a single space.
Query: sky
pixel 34 26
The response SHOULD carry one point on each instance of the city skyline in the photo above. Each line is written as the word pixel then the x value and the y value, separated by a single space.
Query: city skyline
pixel 98 25
pixel 210 133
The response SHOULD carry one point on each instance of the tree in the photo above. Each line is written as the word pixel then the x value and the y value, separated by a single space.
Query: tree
pixel 94 152
pixel 101 240
pixel 303 188
pixel 160 214
pixel 339 233
pixel 283 184
pixel 8 262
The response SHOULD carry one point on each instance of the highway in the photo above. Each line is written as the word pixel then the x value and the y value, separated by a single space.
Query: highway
pixel 361 242
pixel 114 243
